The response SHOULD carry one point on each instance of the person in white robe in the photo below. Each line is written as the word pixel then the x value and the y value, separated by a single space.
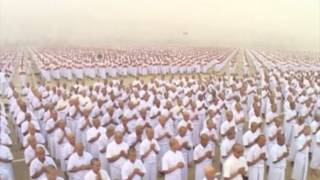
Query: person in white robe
pixel 226 145
pixel 32 132
pixel 203 155
pixel 135 139
pixel 271 134
pixel 314 125
pixel 116 155
pixel 187 123
pixel 301 161
pixel 250 136
pixel 5 138
pixel 96 172
pixel 83 125
pixel 6 158
pixel 227 124
pixel 297 131
pixel 37 165
pixel 103 143
pixel 3 83
pixel 25 124
pixel 185 144
pixel 173 162
pixel 240 121
pixel 315 160
pixel 290 116
pixel 196 123
pixel 256 117
pixel 209 173
pixel 50 127
pixel 162 134
pixel 235 167
pixel 93 135
pixel 79 163
pixel 30 152
pixel 60 138
pixel 149 149
pixel 256 158
pixel 211 131
pixel 133 168
pixel 270 117
pixel 278 156
pixel 51 173
pixel 67 150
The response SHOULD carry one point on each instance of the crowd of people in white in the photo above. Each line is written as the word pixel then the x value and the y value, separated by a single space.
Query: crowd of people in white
pixel 92 62
pixel 8 59
pixel 254 126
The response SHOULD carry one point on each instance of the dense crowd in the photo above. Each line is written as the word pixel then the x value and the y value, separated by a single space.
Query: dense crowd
pixel 253 126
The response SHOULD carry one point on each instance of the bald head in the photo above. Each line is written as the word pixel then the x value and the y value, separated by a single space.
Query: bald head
pixel 118 137
pixel 40 153
pixel 79 148
pixel 51 172
pixel 174 144
pixel 209 172
pixel 237 150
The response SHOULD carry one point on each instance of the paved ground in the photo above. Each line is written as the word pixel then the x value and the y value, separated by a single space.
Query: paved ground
pixel 21 170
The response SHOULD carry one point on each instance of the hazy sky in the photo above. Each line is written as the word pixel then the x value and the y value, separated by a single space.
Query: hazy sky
pixel 289 24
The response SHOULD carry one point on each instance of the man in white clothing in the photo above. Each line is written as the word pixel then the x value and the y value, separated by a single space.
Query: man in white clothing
pixel 173 162
pixel 278 155
pixel 301 161
pixel 6 158
pixel 117 155
pixel 163 133
pixel 209 173
pixel 202 155
pixel 133 168
pixel 93 135
pixel 51 173
pixel 96 172
pixel 256 158
pixel 149 149
pixel 235 166
pixel 250 136
pixel 37 166
pixel 3 82
pixel 79 163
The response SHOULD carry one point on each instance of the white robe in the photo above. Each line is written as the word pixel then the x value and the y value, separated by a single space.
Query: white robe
pixel 36 165
pixel 6 168
pixel 186 153
pixel 277 170
pixel 232 165
pixel 114 149
pixel 199 152
pixel 92 175
pixel 256 171
pixel 150 162
pixel 163 143
pixel 315 161
pixel 93 147
pixel 128 168
pixel 171 159
pixel 301 161
pixel 75 161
